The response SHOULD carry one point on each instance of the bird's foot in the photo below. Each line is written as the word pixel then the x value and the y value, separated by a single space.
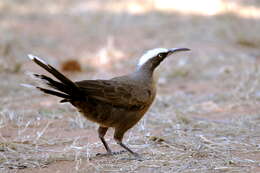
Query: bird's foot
pixel 136 157
pixel 118 152
pixel 110 153
pixel 104 154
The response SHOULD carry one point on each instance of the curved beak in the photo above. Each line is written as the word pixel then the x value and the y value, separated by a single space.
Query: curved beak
pixel 172 50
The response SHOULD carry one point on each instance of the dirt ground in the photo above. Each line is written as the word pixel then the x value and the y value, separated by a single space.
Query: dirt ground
pixel 206 116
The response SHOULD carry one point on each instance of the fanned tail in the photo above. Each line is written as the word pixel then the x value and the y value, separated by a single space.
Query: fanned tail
pixel 65 88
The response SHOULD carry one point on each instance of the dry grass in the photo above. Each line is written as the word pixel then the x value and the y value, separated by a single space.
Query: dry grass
pixel 205 118
pixel 185 145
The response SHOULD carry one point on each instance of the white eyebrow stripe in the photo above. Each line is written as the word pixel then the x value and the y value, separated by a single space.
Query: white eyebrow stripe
pixel 150 54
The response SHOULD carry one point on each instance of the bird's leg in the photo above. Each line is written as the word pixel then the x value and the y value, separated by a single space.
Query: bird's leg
pixel 118 136
pixel 127 149
pixel 101 133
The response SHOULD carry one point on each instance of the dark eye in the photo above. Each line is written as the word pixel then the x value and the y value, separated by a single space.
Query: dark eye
pixel 161 55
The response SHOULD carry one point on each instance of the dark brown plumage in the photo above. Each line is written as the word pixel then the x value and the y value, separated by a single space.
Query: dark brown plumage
pixel 118 103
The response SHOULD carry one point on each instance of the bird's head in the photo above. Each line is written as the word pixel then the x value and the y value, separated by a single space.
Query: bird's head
pixel 152 58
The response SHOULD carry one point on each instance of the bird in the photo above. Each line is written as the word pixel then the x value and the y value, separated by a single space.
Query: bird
pixel 117 103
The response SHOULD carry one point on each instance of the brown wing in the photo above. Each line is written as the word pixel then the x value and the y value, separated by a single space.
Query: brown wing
pixel 115 92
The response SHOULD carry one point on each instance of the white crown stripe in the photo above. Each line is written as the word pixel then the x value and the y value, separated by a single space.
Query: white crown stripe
pixel 150 54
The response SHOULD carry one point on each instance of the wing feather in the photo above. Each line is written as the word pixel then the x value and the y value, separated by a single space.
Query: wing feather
pixel 114 92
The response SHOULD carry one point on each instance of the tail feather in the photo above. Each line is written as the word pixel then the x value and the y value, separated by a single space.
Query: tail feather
pixel 63 88
pixel 55 93
pixel 54 84
pixel 53 71
pixel 51 92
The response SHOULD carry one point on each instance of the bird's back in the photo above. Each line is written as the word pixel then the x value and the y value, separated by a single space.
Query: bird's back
pixel 113 102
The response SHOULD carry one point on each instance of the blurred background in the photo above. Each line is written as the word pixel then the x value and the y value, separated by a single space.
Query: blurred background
pixel 89 39
pixel 112 34
pixel 100 39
